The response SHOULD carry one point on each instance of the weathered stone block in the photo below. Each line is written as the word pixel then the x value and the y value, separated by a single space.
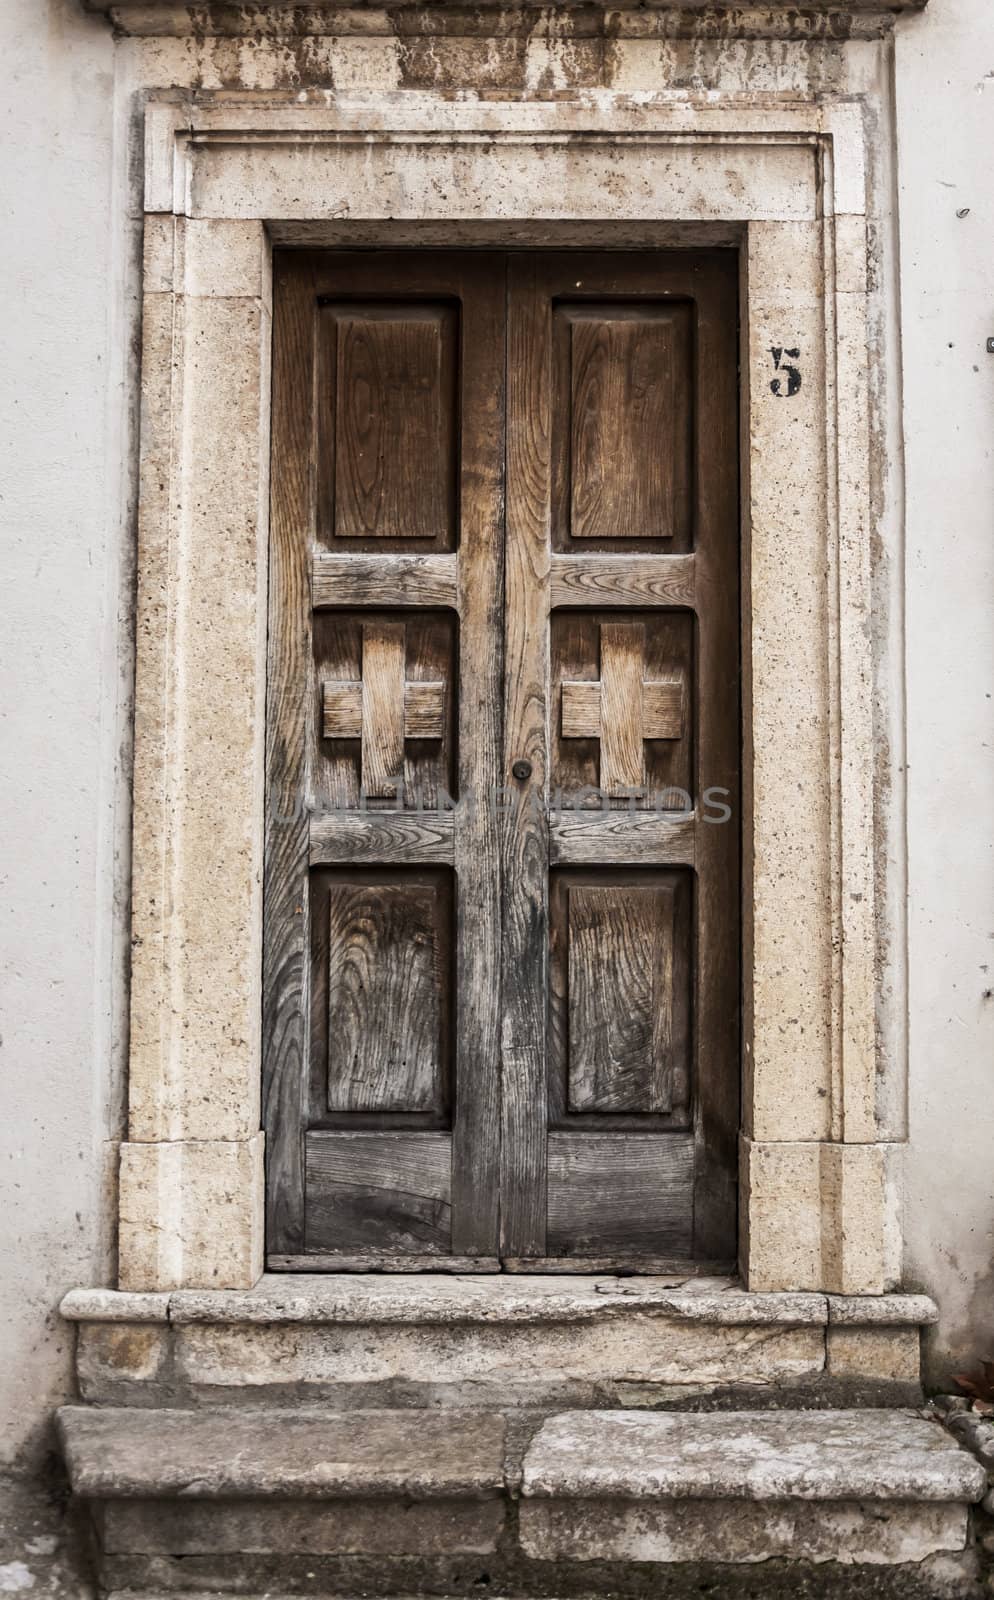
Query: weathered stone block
pixel 117 1452
pixel 815 1216
pixel 383 1527
pixel 877 1352
pixel 510 1364
pixel 739 1531
pixel 882 1310
pixel 426 1298
pixel 111 1353
pixel 886 1456
pixel 191 1213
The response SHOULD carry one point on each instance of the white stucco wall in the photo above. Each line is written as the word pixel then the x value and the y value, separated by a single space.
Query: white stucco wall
pixel 61 512
pixel 945 107
pixel 65 650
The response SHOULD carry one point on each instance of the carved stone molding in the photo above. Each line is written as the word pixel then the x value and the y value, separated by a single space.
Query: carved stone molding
pixel 785 180
pixel 567 19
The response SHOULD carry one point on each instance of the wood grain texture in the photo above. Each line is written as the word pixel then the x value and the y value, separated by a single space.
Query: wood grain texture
pixel 381 1193
pixel 621 472
pixel 622 581
pixel 322 1261
pixel 621 709
pixel 718 701
pixel 377 623
pixel 492 673
pixel 387 427
pixel 385 998
pixel 620 1195
pixel 286 967
pixel 580 710
pixel 381 997
pixel 639 664
pixel 525 853
pixel 404 751
pixel 621 735
pixel 405 839
pixel 383 581
pixel 678 1268
pixel 382 709
pixel 341 709
pixel 664 708
pixel 623 416
pixel 424 710
pixel 621 838
pixel 620 988
pixel 482 288
pixel 620 999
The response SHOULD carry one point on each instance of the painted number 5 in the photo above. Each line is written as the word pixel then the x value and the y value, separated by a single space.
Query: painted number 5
pixel 791 374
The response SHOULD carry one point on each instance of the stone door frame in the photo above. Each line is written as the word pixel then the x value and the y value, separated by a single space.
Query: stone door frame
pixel 227 178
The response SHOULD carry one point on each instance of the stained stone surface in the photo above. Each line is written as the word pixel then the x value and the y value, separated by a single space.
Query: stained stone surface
pixel 533 1359
pixel 883 1310
pixel 740 1530
pixel 874 1352
pixel 752 1455
pixel 117 1452
pixel 439 1298
pixel 383 1527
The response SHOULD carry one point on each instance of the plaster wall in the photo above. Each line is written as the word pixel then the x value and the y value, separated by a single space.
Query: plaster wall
pixel 70 284
pixel 64 657
pixel 945 120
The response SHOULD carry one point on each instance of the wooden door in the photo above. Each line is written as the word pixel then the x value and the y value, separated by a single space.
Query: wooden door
pixel 502 882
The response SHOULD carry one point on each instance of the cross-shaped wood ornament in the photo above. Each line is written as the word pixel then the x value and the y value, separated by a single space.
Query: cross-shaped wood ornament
pixel 622 709
pixel 382 708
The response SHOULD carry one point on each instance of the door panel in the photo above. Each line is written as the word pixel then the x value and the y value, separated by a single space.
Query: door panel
pixel 381 988
pixel 622 423
pixel 387 688
pixel 622 432
pixel 502 914
pixel 622 693
pixel 612 1197
pixel 387 416
pixel 379 1194
pixel 382 927
pixel 620 1001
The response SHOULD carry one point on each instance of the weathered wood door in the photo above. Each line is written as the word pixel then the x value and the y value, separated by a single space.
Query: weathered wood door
pixel 502 925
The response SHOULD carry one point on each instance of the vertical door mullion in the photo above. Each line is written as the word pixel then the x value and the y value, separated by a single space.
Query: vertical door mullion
pixel 524 812
pixel 476 1129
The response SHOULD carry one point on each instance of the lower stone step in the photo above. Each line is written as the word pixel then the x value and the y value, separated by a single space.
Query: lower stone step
pixel 577 1503
pixel 859 1486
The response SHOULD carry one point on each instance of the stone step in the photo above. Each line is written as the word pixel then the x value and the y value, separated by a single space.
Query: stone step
pixel 115 1453
pixel 497 1342
pixel 581 1503
pixel 862 1486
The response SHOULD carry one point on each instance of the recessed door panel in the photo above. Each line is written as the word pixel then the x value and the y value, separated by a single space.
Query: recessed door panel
pixel 622 424
pixel 387 425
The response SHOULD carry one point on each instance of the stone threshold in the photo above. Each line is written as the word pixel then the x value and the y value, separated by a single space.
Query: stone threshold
pixel 438 1298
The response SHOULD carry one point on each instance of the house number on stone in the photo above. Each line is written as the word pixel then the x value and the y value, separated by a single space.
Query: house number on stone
pixel 792 375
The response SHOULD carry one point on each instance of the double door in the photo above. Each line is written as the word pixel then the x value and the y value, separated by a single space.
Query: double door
pixel 502 904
